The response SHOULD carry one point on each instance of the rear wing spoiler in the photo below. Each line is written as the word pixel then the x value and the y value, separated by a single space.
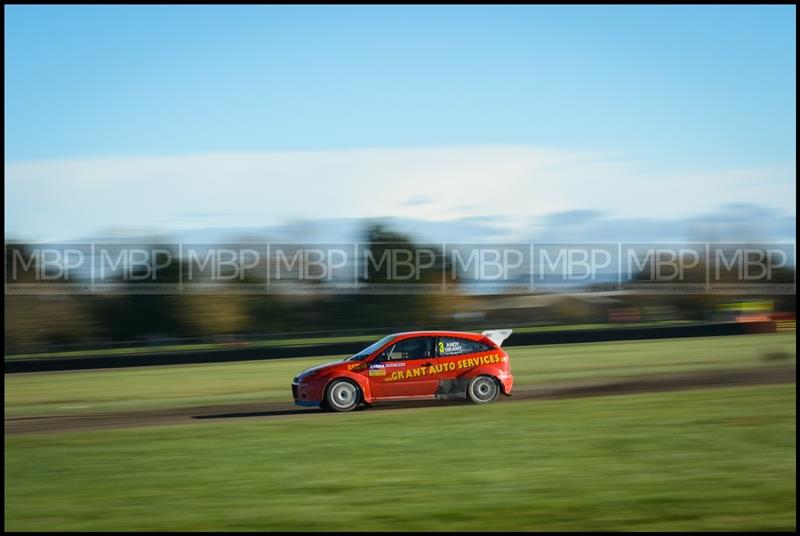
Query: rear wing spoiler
pixel 497 336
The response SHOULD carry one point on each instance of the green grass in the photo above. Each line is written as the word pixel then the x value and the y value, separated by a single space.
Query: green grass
pixel 713 459
pixel 307 341
pixel 219 383
pixel 173 348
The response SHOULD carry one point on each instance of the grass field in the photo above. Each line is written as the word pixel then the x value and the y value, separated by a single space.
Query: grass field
pixel 219 383
pixel 703 459
pixel 714 459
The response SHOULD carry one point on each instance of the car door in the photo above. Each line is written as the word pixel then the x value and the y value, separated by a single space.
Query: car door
pixel 403 370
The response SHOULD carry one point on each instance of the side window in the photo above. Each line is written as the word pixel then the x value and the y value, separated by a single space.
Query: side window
pixel 449 346
pixel 416 348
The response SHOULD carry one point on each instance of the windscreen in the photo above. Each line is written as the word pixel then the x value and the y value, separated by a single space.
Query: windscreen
pixel 365 353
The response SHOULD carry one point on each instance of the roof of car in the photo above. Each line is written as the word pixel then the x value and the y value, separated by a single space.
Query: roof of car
pixel 463 334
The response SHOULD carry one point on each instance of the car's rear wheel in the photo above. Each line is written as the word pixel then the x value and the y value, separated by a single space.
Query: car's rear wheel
pixel 342 395
pixel 483 389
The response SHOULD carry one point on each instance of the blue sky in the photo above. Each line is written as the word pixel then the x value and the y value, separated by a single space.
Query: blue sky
pixel 652 92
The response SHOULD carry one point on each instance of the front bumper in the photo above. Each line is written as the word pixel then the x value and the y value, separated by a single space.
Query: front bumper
pixel 307 394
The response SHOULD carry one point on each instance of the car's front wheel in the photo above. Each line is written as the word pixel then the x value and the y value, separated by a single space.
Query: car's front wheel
pixel 342 395
pixel 483 389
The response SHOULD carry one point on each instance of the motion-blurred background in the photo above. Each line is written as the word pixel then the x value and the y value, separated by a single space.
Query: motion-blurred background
pixel 476 125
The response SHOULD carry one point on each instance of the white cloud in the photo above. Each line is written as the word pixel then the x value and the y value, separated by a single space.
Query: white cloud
pixel 77 198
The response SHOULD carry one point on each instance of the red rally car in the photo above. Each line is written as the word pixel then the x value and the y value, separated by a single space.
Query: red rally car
pixel 414 365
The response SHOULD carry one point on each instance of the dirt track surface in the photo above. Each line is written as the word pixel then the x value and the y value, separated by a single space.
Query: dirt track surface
pixel 271 410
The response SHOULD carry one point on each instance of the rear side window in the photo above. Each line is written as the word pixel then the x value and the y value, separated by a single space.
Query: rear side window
pixel 448 346
pixel 416 348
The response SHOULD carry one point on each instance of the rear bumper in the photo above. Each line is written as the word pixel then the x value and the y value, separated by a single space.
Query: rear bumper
pixel 507 381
